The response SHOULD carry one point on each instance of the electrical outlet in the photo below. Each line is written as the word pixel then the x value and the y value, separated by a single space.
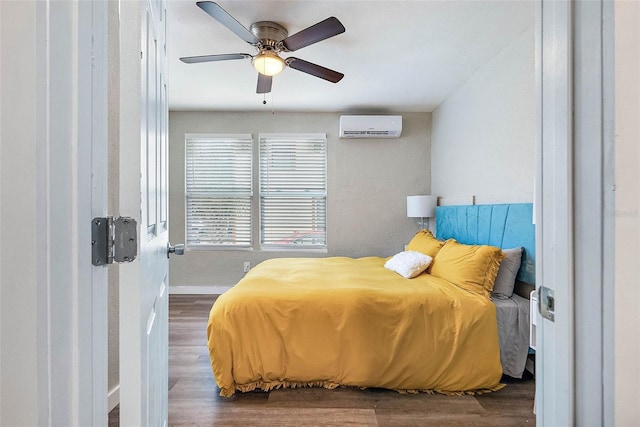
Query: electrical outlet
pixel 247 266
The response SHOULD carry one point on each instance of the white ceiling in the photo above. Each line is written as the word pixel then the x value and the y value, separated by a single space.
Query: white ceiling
pixel 397 56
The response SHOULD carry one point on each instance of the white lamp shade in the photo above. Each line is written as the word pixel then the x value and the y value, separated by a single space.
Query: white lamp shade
pixel 268 63
pixel 421 206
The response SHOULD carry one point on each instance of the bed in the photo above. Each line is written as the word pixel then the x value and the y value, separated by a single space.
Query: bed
pixel 337 321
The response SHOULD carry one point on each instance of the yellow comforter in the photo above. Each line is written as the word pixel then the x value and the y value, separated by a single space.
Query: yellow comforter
pixel 350 322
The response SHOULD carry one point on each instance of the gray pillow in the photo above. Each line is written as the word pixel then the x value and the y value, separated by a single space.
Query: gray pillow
pixel 506 278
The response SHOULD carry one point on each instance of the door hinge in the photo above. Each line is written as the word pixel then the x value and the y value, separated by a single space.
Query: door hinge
pixel 546 303
pixel 113 240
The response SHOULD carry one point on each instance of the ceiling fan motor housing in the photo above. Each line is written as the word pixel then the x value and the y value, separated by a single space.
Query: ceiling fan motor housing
pixel 269 33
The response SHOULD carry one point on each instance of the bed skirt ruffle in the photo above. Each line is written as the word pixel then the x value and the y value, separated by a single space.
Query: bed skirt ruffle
pixel 275 385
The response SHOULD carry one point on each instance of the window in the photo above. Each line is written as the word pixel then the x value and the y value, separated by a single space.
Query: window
pixel 293 191
pixel 218 191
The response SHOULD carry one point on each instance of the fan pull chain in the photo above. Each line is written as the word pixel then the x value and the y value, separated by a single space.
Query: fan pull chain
pixel 264 102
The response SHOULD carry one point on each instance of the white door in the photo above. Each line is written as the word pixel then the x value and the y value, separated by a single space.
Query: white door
pixel 554 213
pixel 575 168
pixel 143 196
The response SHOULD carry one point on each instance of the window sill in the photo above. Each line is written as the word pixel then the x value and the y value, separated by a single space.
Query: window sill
pixel 217 248
pixel 305 250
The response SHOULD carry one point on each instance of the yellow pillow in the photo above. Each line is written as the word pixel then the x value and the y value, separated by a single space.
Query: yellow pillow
pixel 471 267
pixel 425 242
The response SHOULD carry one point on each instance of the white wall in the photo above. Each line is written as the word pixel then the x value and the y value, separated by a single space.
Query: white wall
pixel 626 214
pixel 483 137
pixel 368 181
pixel 50 357
pixel 20 390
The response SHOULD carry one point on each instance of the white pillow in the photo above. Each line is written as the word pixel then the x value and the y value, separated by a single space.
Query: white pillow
pixel 408 264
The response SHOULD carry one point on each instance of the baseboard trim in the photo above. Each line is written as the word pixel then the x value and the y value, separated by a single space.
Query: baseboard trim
pixel 113 398
pixel 198 290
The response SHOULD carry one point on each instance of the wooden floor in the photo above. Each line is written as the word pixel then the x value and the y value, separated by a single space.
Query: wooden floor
pixel 194 400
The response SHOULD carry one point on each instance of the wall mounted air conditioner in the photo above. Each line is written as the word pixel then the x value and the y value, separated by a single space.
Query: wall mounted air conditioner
pixel 370 126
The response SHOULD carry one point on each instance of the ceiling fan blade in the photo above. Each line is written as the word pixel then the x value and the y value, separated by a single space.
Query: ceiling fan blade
pixel 264 83
pixel 322 30
pixel 228 21
pixel 314 70
pixel 211 58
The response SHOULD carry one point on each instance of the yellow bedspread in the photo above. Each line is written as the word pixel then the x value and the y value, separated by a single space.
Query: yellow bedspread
pixel 350 322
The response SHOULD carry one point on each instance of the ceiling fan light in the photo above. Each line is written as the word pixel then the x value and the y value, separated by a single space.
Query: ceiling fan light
pixel 268 63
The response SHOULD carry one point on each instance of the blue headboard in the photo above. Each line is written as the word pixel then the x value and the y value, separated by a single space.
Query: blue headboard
pixel 505 226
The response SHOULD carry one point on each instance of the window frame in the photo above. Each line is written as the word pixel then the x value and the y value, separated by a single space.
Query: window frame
pixel 246 137
pixel 302 137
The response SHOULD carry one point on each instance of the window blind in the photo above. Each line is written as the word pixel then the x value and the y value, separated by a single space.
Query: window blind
pixel 293 190
pixel 218 191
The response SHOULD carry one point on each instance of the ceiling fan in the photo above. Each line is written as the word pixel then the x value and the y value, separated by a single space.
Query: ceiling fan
pixel 270 39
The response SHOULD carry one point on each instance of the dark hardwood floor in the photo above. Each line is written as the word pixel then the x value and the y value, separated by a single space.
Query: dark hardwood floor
pixel 194 399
